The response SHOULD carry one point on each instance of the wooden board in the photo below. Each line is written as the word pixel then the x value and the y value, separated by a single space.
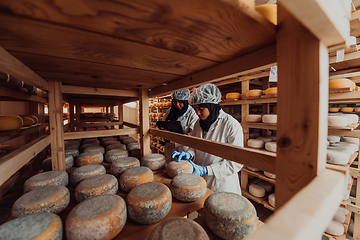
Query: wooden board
pixel 346 128
pixel 258 174
pixel 269 96
pixel 341 90
pixel 260 125
pixel 8 135
pixel 346 227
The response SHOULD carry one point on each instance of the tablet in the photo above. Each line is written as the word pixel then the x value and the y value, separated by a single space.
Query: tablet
pixel 172 126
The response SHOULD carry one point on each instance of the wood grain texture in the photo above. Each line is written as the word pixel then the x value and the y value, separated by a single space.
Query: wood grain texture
pixel 245 86
pixel 100 133
pixel 144 122
pixel 72 116
pixel 98 91
pixel 78 111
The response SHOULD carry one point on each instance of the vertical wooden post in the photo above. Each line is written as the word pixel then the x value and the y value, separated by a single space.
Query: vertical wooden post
pixel 265 106
pixel 121 114
pixel 72 120
pixel 244 112
pixel 56 126
pixel 144 122
pixel 78 112
pixel 302 106
pixel 356 233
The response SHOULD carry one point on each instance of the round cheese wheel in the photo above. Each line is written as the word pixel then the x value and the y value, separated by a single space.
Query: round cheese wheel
pixel 333 110
pixel 353 118
pixel 33 117
pixel 95 149
pixel 100 217
pixel 132 146
pixel 333 139
pixel 354 140
pixel 252 169
pixel 253 118
pixel 174 168
pixel 270 146
pixel 96 185
pixel 346 109
pixel 337 156
pixel 118 166
pixel 154 161
pixel 265 139
pixel 91 140
pixel 257 190
pixel 335 228
pixel 269 11
pixel 233 96
pixel 188 187
pixel 47 163
pixel 52 178
pixel 339 216
pixel 27 121
pixel 10 122
pixel 43 225
pixel 108 143
pixel 177 227
pixel 272 199
pixel 129 140
pixel 83 146
pixel 352 147
pixel 266 185
pixel 253 93
pixel 114 154
pixel 74 152
pixel 46 199
pixel 255 143
pixel 135 176
pixel 341 83
pixel 116 146
pixel 337 121
pixel 87 158
pixel 269 118
pixel 270 175
pixel 357 109
pixel 272 90
pixel 85 172
pixel 229 215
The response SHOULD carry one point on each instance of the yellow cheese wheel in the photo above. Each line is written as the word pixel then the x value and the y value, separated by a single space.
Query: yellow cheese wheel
pixel 188 187
pixel 52 178
pixel 154 161
pixel 253 93
pixel 33 117
pixel 87 158
pixel 233 96
pixel 175 168
pixel 269 11
pixel 27 121
pixel 10 122
pixel 84 172
pixel 118 166
pixel 334 109
pixel 346 109
pixel 341 83
pixel 134 176
pixel 271 91
pixel 357 109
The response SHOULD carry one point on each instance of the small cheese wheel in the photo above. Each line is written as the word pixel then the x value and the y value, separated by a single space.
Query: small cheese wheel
pixel 270 175
pixel 272 90
pixel 85 172
pixel 253 93
pixel 229 215
pixel 269 118
pixel 354 140
pixel 188 187
pixel 269 11
pixel 178 227
pixel 339 216
pixel 134 176
pixel 333 139
pixel 337 121
pixel 118 166
pixel 352 147
pixel 47 163
pixel 154 161
pixel 253 118
pixel 270 146
pixel 46 199
pixel 87 158
pixel 357 109
pixel 95 149
pixel 337 156
pixel 334 110
pixel 52 178
pixel 129 140
pixel 272 199
pixel 175 168
pixel 266 185
pixel 10 122
pixel 91 140
pixel 33 117
pixel 149 202
pixel 83 146
pixel 100 217
pixel 96 185
pixel 27 121
pixel 257 190
pixel 233 96
pixel 108 143
pixel 116 146
pixel 335 228
pixel 341 83
pixel 74 152
pixel 253 169
pixel 132 146
pixel 346 109
pixel 255 143
pixel 43 225
pixel 265 139
pixel 114 154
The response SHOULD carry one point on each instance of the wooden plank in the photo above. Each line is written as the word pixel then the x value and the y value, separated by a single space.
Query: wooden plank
pixel 9 135
pixel 56 126
pixel 352 72
pixel 99 91
pixel 260 175
pixel 144 122
pixel 20 96
pixel 249 101
pixel 100 133
pixel 243 78
pixel 96 124
pixel 259 125
pixel 301 130
pixel 72 119
pixel 249 157
pixel 354 133
pixel 350 97
pixel 131 125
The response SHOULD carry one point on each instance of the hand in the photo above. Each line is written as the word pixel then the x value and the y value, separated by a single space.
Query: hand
pixel 198 169
pixel 181 155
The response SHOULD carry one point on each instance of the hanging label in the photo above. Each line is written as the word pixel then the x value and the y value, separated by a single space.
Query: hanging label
pixel 340 54
pixel 273 74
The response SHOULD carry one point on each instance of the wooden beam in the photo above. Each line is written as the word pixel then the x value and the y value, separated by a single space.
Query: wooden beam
pixel 347 57
pixel 72 117
pixel 244 78
pixel 100 133
pixel 99 101
pixel 354 133
pixel 245 86
pixel 96 124
pixel 127 100
pixel 249 157
pixel 67 89
pixel 349 97
pixel 131 125
pixel 121 113
pixel 20 96
pixel 144 122
pixel 352 72
pixel 78 112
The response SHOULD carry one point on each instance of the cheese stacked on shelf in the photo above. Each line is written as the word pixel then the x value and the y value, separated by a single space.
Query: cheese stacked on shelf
pixel 52 178
pixel 120 165
pixel 84 172
pixel 10 122
pixel 135 176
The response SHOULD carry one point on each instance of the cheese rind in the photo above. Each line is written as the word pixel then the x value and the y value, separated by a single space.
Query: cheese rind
pixel 52 178
pixel 253 93
pixel 257 190
pixel 47 163
pixel 116 146
pixel 154 161
pixel 135 176
pixel 10 122
pixel 115 154
pixel 253 118
pixel 87 158
pixel 118 166
pixel 175 168
pixel 85 172
pixel 188 187
pixel 336 155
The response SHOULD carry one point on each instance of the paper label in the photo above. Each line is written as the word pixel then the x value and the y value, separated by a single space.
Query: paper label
pixel 340 54
pixel 273 74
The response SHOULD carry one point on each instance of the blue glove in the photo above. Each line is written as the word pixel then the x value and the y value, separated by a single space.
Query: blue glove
pixel 181 155
pixel 198 169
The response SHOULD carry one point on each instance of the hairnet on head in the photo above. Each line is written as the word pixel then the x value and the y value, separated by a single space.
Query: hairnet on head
pixel 207 93
pixel 181 94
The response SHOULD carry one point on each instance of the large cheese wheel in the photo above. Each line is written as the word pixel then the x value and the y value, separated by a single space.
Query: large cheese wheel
pixel 346 109
pixel 335 155
pixel 339 216
pixel 335 228
pixel 352 147
pixel 175 168
pixel 270 175
pixel 265 139
pixel 10 122
pixel 134 176
pixel 270 146
pixel 269 11
pixel 100 217
pixel 229 215
pixel 47 163
pixel 149 202
pixel 85 172
pixel 255 143
pixel 118 166
pixel 108 143
pixel 86 145
pixel 337 121
pixel 178 228
pixel 269 118
pixel 27 121
pixel 341 83
pixel 87 158
pixel 334 110
pixel 96 185
pixel 52 178
pixel 74 152
pixel 233 96
pixel 253 93
pixel 257 190
pixel 272 199
pixel 132 146
pixel 129 140
pixel 354 140
pixel 154 161
pixel 46 199
pixel 39 226
pixel 253 118
pixel 333 139
pixel 114 154
pixel 95 149
pixel 266 185
pixel 71 147
pixel 116 146
pixel 188 187
pixel 91 140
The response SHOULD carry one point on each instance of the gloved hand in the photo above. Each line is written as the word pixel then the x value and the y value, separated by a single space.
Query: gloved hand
pixel 198 169
pixel 181 155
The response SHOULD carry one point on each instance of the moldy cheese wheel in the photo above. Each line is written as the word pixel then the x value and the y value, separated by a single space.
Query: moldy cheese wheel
pixel 115 154
pixel 269 11
pixel 188 187
pixel 257 190
pixel 269 118
pixel 108 143
pixel 85 172
pixel 229 215
pixel 154 161
pixel 149 202
pixel 47 164
pixel 10 122
pixel 95 149
pixel 74 152
pixel 134 176
pixel 90 140
pixel 351 147
pixel 100 217
pixel 43 225
pixel 94 186
pixel 118 166
pixel 341 83
pixel 52 178
pixel 335 228
pixel 87 158
pixel 72 142
pixel 255 143
pixel 174 168
pixel 253 118
pixel 116 146
pixel 132 146
pixel 270 146
pixel 337 121
pixel 46 199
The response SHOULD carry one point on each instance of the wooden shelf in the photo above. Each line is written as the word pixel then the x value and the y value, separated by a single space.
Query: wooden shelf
pixel 346 227
pixel 258 175
pixel 351 127
pixel 259 125
pixel 9 135
pixel 8 94
pixel 262 200
pixel 249 101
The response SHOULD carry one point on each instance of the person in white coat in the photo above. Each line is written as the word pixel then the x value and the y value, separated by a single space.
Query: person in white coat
pixel 180 111
pixel 214 124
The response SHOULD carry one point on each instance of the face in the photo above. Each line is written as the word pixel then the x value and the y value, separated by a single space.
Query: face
pixel 202 112
pixel 178 104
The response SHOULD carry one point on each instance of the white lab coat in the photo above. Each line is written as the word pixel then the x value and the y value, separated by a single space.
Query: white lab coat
pixel 187 121
pixel 222 174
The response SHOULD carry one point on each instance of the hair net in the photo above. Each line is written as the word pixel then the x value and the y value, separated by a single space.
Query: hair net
pixel 208 93
pixel 181 94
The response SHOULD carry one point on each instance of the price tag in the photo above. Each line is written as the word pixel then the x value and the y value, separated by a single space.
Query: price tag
pixel 340 54
pixel 273 74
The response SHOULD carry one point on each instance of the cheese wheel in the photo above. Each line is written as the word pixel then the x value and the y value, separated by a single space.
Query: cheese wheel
pixel 27 121
pixel 47 163
pixel 154 161
pixel 149 202
pixel 270 175
pixel 269 11
pixel 85 172
pixel 333 110
pixel 188 187
pixel 335 228
pixel 129 140
pixel 266 185
pixel 132 146
pixel 95 149
pixel 108 143
pixel 265 139
pixel 341 83
pixel 118 166
pixel 116 146
pixel 73 152
pixel 353 118
pixel 100 217
pixel 233 96
pixel 272 199
pixel 272 90
pixel 270 146
pixel 178 228
pixel 253 169
pixel 33 117
pixel 91 140
pixel 253 93
pixel 175 168
pixel 87 158
pixel 339 216
pixel 52 178
pixel 337 121
pixel 72 142
pixel 333 139
pixel 352 147
pixel 357 109
pixel 46 199
pixel 96 185
pixel 346 109
pixel 354 140
pixel 86 145
pixel 255 143
pixel 229 215
pixel 257 190
pixel 114 154
pixel 253 118
pixel 134 176
pixel 337 156
pixel 10 122
pixel 43 225
pixel 269 118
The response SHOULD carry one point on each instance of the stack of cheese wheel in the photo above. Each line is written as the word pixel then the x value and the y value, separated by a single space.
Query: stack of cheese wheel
pixel 154 161
pixel 135 176
pixel 341 83
pixel 257 190
pixel 255 93
pixel 45 199
pixel 118 166
pixel 52 178
pixel 188 187
pixel 95 149
pixel 47 163
pixel 87 158
pixel 269 118
pixel 85 172
pixel 43 225
pixel 229 215
pixel 96 185
pixel 272 199
pixel 10 122
pixel 269 11
pixel 334 110
pixel 255 143
pixel 175 168
pixel 114 154
pixel 272 90
pixel 253 118
pixel 116 146
pixel 100 217
pixel 233 96
pixel 149 202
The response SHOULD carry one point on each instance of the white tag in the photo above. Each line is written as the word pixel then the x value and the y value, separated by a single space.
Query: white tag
pixel 273 74
pixel 340 54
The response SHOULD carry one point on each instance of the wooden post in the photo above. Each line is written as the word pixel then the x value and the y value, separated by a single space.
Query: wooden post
pixel 244 177
pixel 356 233
pixel 121 114
pixel 265 106
pixel 56 126
pixel 72 120
pixel 78 112
pixel 144 122
pixel 302 107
